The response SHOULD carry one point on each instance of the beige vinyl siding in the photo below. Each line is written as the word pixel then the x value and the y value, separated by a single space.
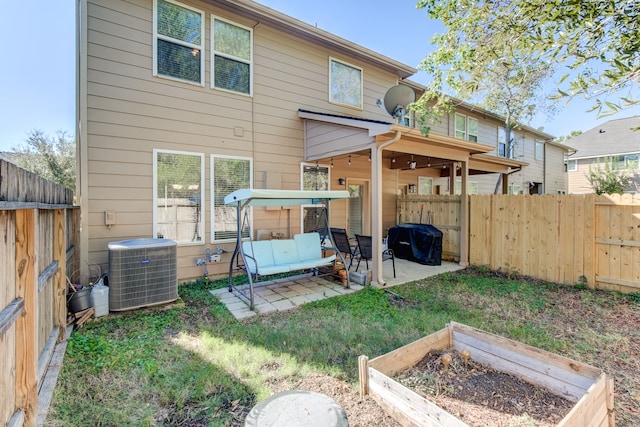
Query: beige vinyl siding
pixel 130 113
pixel 556 178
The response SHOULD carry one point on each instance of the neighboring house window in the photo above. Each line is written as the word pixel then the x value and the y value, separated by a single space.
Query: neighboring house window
pixel 232 56
pixel 502 145
pixel 178 192
pixel 466 128
pixel 178 41
pixel 345 84
pixel 539 150
pixel 472 187
pixel 425 185
pixel 514 189
pixel 622 162
pixel 228 174
pixel 314 177
pixel 572 165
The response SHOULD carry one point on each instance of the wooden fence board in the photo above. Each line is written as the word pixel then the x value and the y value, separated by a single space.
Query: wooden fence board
pixel 569 239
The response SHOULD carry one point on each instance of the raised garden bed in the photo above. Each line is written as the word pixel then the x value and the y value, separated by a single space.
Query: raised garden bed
pixel 586 386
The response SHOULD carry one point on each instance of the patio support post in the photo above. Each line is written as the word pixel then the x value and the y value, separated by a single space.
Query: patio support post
pixel 376 203
pixel 464 213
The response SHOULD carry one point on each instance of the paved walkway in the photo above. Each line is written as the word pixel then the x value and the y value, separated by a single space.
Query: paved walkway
pixel 285 294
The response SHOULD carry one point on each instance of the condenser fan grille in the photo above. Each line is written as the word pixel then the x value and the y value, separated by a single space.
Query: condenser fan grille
pixel 142 272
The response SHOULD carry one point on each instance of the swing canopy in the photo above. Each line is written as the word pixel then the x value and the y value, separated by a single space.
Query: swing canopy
pixel 258 197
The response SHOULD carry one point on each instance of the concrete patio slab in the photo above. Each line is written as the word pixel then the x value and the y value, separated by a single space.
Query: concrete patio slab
pixel 286 294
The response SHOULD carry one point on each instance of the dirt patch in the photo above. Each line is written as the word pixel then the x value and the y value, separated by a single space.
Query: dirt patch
pixel 480 395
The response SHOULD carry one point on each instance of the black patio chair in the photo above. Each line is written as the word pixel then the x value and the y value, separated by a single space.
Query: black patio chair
pixel 365 249
pixel 341 240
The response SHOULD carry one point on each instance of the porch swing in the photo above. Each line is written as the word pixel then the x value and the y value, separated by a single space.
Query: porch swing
pixel 304 252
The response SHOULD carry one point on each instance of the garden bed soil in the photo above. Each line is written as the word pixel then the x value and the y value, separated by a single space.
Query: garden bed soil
pixel 480 395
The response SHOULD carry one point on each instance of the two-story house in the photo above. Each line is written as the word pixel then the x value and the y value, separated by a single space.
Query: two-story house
pixel 614 144
pixel 182 102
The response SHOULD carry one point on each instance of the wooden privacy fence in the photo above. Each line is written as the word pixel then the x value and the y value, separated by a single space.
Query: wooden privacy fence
pixel 441 211
pixel 38 239
pixel 569 239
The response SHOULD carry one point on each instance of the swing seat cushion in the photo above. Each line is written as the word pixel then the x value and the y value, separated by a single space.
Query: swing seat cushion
pixel 260 252
pixel 266 257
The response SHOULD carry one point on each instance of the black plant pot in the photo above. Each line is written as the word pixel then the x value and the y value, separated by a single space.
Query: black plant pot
pixel 79 300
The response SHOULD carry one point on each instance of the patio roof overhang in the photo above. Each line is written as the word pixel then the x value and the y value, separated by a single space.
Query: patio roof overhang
pixel 331 135
pixel 327 136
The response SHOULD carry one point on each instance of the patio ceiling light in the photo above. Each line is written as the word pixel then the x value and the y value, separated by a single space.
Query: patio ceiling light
pixel 412 163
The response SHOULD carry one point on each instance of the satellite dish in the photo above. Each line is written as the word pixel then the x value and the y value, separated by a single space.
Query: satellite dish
pixel 397 98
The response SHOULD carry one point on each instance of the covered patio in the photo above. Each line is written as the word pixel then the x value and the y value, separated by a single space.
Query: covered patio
pixel 392 153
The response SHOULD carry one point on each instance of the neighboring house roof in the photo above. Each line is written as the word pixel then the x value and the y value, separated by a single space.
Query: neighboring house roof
pixel 611 138
pixel 302 30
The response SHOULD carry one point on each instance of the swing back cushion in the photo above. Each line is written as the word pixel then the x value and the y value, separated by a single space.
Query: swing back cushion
pixel 266 257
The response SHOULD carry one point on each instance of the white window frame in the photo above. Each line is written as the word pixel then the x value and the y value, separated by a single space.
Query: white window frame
pixel 472 187
pixel 333 97
pixel 539 149
pixel 572 165
pixel 226 55
pixel 425 183
pixel 455 126
pixel 212 195
pixel 302 207
pixel 157 36
pixel 469 134
pixel 466 134
pixel 502 132
pixel 157 151
pixel 513 189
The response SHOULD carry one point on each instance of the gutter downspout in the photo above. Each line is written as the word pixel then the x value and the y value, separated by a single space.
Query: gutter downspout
pixel 376 203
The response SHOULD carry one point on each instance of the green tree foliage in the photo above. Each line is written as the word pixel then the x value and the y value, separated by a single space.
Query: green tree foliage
pixel 484 60
pixel 604 180
pixel 596 40
pixel 51 157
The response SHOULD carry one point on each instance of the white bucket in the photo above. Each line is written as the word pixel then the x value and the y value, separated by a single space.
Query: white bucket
pixel 100 298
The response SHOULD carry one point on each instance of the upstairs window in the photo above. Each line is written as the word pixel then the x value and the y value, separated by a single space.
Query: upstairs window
pixel 345 84
pixel 572 165
pixel 466 128
pixel 539 150
pixel 502 145
pixel 232 56
pixel 178 41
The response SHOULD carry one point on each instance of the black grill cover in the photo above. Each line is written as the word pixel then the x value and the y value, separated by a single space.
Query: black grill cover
pixel 421 243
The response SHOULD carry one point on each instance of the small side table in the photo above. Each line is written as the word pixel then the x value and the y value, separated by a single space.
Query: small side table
pixel 295 408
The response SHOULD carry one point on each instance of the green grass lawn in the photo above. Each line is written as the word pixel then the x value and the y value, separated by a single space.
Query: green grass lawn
pixel 192 363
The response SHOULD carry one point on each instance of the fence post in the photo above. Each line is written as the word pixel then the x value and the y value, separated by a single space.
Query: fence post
pixel 59 281
pixel 27 324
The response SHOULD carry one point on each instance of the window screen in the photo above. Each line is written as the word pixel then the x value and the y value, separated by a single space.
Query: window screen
pixel 232 56
pixel 179 41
